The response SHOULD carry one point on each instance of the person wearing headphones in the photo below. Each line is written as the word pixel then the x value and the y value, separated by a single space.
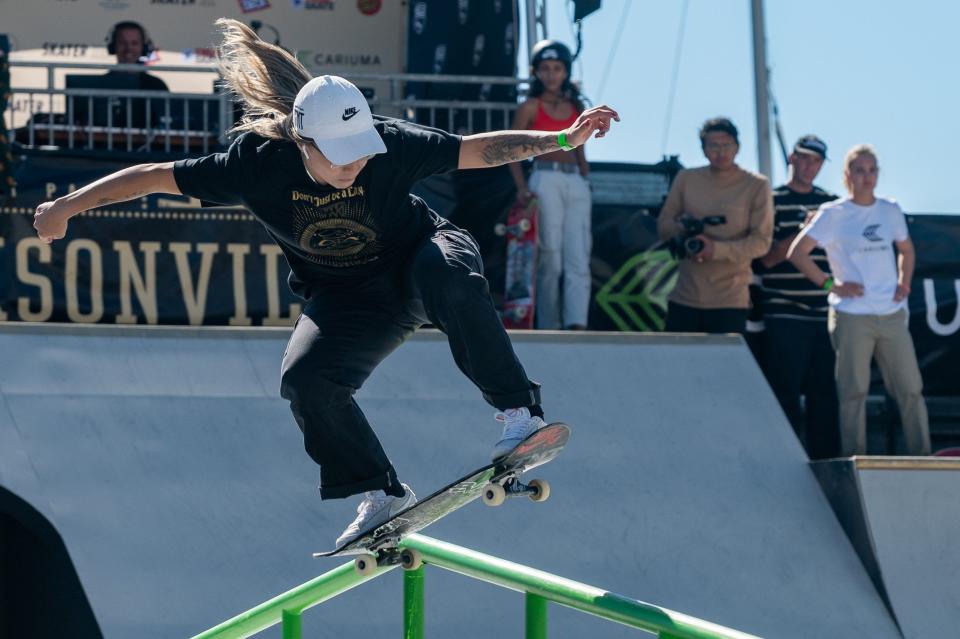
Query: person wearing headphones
pixel 559 181
pixel 129 42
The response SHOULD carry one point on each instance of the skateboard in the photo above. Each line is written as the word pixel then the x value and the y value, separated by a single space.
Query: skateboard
pixel 519 293
pixel 494 482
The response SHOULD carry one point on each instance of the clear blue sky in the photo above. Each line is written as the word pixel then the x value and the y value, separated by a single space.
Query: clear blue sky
pixel 877 71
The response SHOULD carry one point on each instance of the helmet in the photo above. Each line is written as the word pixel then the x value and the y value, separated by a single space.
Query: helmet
pixel 550 50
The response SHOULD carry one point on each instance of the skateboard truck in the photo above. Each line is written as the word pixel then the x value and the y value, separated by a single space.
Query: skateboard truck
pixel 496 492
pixel 515 230
pixel 367 563
pixel 517 313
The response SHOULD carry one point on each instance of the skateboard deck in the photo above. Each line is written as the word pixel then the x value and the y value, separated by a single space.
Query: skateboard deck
pixel 494 482
pixel 519 293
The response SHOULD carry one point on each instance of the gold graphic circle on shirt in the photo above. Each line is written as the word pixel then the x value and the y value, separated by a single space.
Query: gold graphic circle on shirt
pixel 336 237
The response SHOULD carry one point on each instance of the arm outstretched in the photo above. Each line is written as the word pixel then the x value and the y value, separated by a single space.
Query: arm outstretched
pixel 502 147
pixel 50 219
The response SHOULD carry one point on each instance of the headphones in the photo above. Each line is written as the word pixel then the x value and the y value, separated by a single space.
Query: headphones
pixel 111 38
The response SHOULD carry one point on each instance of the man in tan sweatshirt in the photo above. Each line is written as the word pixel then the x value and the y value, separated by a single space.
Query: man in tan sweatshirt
pixel 711 295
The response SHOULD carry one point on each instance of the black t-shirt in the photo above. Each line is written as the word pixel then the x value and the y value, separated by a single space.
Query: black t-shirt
pixel 152 83
pixel 158 107
pixel 137 80
pixel 330 237
pixel 114 111
pixel 784 291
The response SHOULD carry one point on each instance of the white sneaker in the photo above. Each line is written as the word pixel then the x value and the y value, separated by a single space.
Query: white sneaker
pixel 376 508
pixel 518 424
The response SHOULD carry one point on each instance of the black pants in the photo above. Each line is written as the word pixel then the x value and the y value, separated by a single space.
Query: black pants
pixel 799 360
pixel 343 334
pixel 686 319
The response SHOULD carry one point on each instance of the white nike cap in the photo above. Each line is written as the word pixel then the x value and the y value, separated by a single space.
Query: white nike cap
pixel 334 114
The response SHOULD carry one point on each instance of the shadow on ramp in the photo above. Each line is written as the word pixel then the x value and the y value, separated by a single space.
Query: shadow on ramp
pixel 40 594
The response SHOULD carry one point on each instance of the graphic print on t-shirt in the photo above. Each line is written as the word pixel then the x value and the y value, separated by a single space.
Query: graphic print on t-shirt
pixel 871 233
pixel 335 229
pixel 859 240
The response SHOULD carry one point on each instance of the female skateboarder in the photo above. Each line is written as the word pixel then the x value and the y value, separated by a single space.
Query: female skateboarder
pixel 331 184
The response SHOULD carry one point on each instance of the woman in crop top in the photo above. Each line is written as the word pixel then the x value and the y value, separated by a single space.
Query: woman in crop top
pixel 559 181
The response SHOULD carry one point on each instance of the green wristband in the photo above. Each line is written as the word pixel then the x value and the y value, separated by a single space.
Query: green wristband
pixel 827 284
pixel 562 141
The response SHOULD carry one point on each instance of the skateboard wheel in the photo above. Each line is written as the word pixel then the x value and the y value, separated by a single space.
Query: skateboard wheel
pixel 365 565
pixel 500 229
pixel 494 495
pixel 410 559
pixel 540 490
pixel 525 225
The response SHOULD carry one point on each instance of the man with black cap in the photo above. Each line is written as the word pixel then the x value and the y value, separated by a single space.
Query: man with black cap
pixel 797 356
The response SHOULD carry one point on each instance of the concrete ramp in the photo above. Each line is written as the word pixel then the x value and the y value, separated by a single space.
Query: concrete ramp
pixel 903 515
pixel 177 480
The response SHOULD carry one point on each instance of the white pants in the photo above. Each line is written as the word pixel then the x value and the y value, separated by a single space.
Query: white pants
pixel 565 241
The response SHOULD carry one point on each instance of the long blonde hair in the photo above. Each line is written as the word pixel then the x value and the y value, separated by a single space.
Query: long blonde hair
pixel 264 78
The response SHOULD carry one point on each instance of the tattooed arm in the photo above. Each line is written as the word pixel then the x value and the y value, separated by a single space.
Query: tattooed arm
pixel 502 147
pixel 50 218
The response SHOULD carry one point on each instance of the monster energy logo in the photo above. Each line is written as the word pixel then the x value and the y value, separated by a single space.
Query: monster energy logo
pixel 635 298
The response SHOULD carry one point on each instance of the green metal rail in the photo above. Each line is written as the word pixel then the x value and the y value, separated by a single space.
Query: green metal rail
pixel 540 588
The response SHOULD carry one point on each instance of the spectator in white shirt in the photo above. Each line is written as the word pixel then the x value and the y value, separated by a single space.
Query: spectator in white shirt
pixel 868 301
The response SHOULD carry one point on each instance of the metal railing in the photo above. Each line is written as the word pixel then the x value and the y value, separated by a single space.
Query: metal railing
pixel 539 587
pixel 104 119
pixel 54 116
pixel 130 121
pixel 457 115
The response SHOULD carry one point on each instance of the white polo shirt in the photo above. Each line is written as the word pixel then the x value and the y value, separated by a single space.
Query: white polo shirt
pixel 859 245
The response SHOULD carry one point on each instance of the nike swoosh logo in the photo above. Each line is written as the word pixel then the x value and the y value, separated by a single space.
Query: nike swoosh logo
pixel 349 113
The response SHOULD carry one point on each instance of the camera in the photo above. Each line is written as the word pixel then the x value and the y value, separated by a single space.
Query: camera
pixel 687 244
